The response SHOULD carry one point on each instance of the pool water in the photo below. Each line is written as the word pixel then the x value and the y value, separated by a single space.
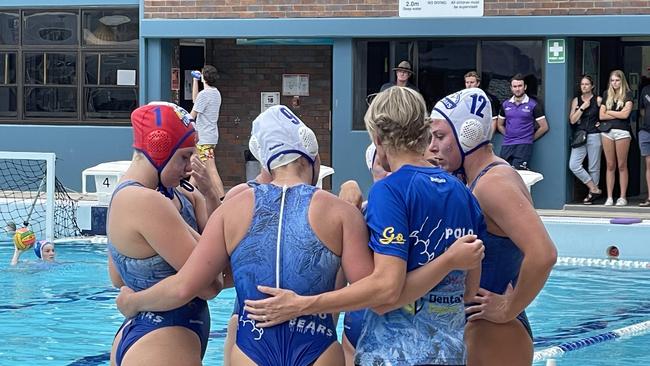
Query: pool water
pixel 579 302
pixel 66 315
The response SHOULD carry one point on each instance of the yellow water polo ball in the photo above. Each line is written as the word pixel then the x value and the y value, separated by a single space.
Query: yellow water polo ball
pixel 24 238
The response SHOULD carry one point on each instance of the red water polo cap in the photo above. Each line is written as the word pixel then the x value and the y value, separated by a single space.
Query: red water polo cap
pixel 161 128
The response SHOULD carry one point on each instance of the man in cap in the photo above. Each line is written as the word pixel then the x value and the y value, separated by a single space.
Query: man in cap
pixel 403 73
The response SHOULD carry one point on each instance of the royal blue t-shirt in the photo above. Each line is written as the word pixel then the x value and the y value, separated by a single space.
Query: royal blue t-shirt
pixel 415 214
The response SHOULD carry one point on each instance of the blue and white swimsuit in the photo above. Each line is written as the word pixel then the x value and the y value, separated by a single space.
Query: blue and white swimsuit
pixel 415 214
pixel 296 260
pixel 139 274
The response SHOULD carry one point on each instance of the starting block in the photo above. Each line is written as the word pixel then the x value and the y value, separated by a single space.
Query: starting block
pixel 106 177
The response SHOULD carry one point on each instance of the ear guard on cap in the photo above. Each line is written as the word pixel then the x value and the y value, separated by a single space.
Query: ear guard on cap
pixel 469 113
pixel 371 154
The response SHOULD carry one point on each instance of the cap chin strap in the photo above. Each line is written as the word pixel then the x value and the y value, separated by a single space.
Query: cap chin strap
pixel 169 192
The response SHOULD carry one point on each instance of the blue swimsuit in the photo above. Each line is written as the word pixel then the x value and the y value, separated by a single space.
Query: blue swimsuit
pixel 299 262
pixel 140 274
pixel 502 260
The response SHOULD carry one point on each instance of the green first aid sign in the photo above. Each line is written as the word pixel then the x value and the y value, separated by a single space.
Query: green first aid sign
pixel 556 51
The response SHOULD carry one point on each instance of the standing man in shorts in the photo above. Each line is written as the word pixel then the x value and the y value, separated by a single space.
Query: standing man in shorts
pixel 644 137
pixel 205 112
pixel 518 121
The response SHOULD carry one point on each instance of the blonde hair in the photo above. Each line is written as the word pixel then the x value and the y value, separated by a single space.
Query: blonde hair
pixel 398 118
pixel 472 74
pixel 619 95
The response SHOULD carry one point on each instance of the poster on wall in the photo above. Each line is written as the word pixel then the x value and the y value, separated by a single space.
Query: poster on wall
pixel 187 85
pixel 295 85
pixel 591 62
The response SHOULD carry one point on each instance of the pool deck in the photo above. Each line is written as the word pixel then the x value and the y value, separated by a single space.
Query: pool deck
pixel 599 211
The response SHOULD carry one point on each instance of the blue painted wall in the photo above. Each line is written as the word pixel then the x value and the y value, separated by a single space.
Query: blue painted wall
pixel 551 153
pixel 76 147
pixel 348 146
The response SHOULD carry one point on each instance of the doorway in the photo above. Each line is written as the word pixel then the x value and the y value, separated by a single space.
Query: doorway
pixel 192 57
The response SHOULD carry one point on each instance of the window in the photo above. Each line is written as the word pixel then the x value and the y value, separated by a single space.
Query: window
pixel 50 72
pixel 441 67
pixel 503 59
pixel 107 94
pixel 441 64
pixel 9 27
pixel 110 27
pixel 8 84
pixel 50 28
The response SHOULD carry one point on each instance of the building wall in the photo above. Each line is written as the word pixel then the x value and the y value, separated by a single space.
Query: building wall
pixel 210 9
pixel 245 71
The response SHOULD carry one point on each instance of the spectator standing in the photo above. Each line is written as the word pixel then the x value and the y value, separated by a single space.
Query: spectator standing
pixel 615 134
pixel 583 119
pixel 205 112
pixel 518 121
pixel 403 73
pixel 473 80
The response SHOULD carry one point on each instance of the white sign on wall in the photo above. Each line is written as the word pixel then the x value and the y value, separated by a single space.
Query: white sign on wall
pixel 269 99
pixel 440 8
pixel 295 84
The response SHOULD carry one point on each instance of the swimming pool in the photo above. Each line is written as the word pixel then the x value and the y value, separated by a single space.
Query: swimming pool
pixel 66 314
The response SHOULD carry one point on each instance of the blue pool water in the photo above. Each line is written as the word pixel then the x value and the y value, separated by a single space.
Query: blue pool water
pixel 66 315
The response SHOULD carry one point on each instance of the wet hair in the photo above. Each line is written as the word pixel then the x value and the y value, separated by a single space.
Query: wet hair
pixel 210 75
pixel 618 96
pixel 518 77
pixel 472 74
pixel 398 118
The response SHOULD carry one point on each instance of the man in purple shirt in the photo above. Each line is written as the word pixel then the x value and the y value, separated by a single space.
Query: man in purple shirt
pixel 521 121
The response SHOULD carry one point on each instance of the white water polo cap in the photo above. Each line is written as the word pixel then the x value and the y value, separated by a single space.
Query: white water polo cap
pixel 371 154
pixel 279 137
pixel 469 112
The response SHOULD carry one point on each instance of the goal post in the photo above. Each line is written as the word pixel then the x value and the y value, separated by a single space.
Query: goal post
pixel 30 195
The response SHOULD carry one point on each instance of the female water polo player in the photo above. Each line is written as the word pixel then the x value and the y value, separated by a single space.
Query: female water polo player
pixel 149 239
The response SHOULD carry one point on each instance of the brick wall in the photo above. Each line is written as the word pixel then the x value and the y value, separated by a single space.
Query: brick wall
pixel 245 71
pixel 565 7
pixel 208 9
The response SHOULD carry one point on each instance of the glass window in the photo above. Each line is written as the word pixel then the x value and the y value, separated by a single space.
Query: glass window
pixel 102 68
pixel 110 27
pixel 63 64
pixel 8 101
pixel 110 102
pixel 51 68
pixel 9 23
pixel 50 28
pixel 441 67
pixel 503 59
pixel 7 68
pixel 50 101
